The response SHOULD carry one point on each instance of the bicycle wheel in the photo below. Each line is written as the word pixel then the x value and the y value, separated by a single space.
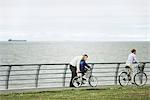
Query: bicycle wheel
pixel 77 81
pixel 123 79
pixel 93 81
pixel 140 79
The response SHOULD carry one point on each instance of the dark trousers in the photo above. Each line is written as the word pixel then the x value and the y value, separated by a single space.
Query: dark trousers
pixel 74 73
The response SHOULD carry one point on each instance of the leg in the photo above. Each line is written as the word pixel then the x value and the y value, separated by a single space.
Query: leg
pixel 73 72
pixel 83 76
pixel 129 70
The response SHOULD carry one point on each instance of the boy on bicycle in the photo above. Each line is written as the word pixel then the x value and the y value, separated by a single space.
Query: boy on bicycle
pixel 83 66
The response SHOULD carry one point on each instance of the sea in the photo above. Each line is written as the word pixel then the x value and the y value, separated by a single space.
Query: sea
pixel 63 52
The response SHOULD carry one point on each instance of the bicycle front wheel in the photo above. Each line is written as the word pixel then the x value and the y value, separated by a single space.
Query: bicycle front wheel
pixel 93 81
pixel 140 79
pixel 123 79
pixel 77 81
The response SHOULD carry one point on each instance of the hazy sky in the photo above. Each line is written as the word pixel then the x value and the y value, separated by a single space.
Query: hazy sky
pixel 79 20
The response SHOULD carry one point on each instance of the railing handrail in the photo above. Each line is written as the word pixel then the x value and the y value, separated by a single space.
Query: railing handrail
pixel 34 64
pixel 62 64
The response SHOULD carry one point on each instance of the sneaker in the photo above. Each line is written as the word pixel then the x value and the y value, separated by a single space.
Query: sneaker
pixel 83 79
pixel 132 83
pixel 129 78
pixel 78 83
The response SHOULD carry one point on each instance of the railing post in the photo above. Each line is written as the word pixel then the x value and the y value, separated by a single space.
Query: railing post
pixel 144 64
pixel 64 75
pixel 37 76
pixel 116 73
pixel 142 70
pixel 8 76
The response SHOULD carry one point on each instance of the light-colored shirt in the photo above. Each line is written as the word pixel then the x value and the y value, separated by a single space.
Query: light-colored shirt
pixel 131 59
pixel 76 62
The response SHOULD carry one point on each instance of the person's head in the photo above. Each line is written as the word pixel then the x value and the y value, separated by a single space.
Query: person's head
pixel 85 57
pixel 133 51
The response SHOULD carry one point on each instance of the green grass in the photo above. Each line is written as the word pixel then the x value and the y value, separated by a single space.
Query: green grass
pixel 114 93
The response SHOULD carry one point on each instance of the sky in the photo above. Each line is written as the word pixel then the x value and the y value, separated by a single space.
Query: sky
pixel 75 20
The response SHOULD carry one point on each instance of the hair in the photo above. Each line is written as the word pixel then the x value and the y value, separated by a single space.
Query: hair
pixel 85 55
pixel 133 50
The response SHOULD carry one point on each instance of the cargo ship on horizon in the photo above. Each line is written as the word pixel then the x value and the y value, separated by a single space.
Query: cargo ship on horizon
pixel 11 40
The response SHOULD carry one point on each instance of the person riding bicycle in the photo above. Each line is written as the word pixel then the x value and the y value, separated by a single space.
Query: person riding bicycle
pixel 132 59
pixel 83 66
pixel 75 64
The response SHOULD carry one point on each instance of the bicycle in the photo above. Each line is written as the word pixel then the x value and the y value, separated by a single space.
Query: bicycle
pixel 140 78
pixel 83 79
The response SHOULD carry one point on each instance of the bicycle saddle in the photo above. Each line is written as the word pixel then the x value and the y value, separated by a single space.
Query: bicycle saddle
pixel 127 67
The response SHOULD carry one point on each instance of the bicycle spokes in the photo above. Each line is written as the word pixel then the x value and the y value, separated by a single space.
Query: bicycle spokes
pixel 140 79
pixel 93 81
pixel 124 79
pixel 77 81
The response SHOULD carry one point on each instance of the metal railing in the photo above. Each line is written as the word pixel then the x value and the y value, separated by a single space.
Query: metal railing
pixel 58 75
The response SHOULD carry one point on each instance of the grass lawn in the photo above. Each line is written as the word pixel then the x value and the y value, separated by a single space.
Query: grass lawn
pixel 114 93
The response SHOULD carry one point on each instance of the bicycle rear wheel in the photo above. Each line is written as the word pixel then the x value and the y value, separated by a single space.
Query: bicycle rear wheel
pixel 93 81
pixel 123 79
pixel 77 81
pixel 140 79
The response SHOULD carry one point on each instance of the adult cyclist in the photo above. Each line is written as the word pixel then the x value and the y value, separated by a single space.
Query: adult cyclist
pixel 132 59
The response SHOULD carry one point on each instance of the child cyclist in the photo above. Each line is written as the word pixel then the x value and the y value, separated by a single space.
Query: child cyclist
pixel 83 66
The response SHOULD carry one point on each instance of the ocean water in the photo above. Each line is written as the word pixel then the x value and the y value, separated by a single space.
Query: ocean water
pixel 63 52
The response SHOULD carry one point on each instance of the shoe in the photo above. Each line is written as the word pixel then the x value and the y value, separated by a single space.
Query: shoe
pixel 129 78
pixel 83 79
pixel 78 83
pixel 132 83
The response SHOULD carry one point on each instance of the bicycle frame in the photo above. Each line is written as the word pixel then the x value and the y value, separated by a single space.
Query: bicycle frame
pixel 88 73
pixel 139 68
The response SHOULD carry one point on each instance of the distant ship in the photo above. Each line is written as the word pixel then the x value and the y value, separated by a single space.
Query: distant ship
pixel 10 40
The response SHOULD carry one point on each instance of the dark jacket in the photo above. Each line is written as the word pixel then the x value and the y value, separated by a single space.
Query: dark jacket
pixel 83 64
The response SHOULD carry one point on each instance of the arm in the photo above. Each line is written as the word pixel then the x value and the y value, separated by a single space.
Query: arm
pixel 87 65
pixel 135 59
pixel 78 66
